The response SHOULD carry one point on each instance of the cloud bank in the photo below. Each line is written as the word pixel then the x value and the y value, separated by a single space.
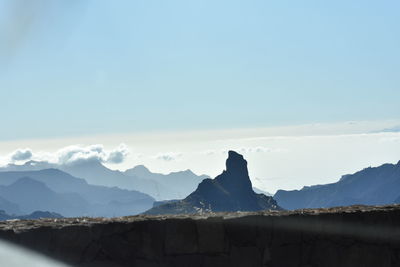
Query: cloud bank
pixel 21 154
pixel 70 155
pixel 77 154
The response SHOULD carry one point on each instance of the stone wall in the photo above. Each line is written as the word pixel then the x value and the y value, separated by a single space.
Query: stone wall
pixel 353 236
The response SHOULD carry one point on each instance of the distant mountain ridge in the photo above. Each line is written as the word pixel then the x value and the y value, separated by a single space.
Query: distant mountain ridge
pixel 33 216
pixel 31 195
pixel 63 193
pixel 371 186
pixel 139 178
pixel 177 184
pixel 9 207
pixel 230 191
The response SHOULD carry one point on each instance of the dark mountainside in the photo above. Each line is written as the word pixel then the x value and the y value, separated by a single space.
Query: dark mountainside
pixel 371 186
pixel 339 237
pixel 230 191
pixel 57 191
pixel 33 216
pixel 139 178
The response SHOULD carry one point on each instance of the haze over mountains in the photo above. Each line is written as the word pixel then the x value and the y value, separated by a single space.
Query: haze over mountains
pixel 228 192
pixel 56 191
pixel 139 178
pixel 99 191
pixel 371 186
pixel 33 216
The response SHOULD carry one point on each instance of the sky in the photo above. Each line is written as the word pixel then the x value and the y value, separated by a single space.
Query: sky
pixel 113 72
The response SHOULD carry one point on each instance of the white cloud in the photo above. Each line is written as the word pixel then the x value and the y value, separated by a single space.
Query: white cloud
pixel 71 155
pixel 118 155
pixel 21 154
pixel 169 156
pixel 76 154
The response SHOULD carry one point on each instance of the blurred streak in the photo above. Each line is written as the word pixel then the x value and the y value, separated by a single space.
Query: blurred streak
pixel 15 256
pixel 375 232
pixel 353 225
pixel 22 19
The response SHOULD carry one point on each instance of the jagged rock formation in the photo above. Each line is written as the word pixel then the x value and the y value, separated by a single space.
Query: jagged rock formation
pixel 230 191
pixel 345 237
pixel 371 186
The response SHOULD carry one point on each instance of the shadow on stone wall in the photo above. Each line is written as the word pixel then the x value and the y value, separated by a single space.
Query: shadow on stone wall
pixel 352 236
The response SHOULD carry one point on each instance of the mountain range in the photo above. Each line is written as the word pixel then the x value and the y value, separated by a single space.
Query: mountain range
pixel 229 192
pixel 139 178
pixel 371 186
pixel 100 191
pixel 33 216
pixel 53 190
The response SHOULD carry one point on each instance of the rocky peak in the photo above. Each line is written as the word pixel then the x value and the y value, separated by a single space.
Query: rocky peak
pixel 236 164
pixel 236 177
pixel 229 191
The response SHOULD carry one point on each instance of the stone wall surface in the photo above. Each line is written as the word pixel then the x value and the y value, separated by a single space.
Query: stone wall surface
pixel 351 236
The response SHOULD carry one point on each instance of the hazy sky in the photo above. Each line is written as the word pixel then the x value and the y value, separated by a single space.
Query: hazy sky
pixel 172 79
pixel 278 157
pixel 88 67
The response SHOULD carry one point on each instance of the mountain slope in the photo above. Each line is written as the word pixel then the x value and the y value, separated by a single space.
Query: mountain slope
pixel 31 195
pixel 161 187
pixel 9 207
pixel 33 216
pixel 371 186
pixel 176 185
pixel 104 201
pixel 93 172
pixel 230 191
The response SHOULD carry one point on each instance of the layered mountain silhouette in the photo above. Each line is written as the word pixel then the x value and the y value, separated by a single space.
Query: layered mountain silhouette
pixel 371 186
pixel 56 191
pixel 230 191
pixel 31 195
pixel 139 178
pixel 175 185
pixel 33 216
pixel 9 207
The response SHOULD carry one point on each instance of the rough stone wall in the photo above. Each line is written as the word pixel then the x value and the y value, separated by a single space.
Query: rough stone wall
pixel 354 236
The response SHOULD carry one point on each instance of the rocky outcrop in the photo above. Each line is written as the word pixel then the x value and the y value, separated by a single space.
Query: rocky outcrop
pixel 230 191
pixel 351 236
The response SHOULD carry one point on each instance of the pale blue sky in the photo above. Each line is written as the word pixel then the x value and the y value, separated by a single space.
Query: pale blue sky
pixel 72 67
